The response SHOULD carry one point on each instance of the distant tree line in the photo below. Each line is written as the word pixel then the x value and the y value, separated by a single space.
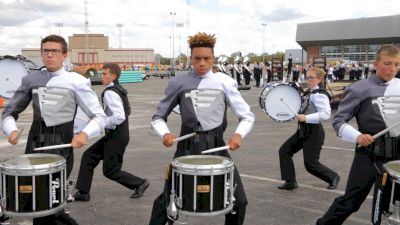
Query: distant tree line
pixel 182 58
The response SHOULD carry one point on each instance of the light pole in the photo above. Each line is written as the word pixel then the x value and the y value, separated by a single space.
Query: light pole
pixel 59 25
pixel 120 25
pixel 263 25
pixel 180 25
pixel 173 14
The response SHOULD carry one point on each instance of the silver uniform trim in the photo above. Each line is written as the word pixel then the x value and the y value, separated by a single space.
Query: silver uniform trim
pixel 209 106
pixel 57 105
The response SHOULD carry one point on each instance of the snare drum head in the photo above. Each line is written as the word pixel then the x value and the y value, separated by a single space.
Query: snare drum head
pixel 11 73
pixel 393 168
pixel 202 161
pixel 32 162
pixel 272 97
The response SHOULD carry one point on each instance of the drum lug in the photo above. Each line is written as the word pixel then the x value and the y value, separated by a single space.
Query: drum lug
pixel 395 217
pixel 172 211
pixel 233 212
pixel 70 198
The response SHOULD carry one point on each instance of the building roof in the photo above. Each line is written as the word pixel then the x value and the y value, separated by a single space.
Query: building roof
pixel 373 30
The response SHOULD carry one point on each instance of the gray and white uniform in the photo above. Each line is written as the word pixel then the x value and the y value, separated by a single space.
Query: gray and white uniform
pixel 358 103
pixel 55 97
pixel 203 101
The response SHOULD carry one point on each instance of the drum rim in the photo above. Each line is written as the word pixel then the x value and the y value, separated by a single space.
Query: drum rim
pixel 227 163
pixel 57 165
pixel 271 86
pixel 392 172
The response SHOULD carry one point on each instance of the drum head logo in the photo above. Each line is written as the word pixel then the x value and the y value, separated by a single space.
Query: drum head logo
pixel 55 184
pixel 282 115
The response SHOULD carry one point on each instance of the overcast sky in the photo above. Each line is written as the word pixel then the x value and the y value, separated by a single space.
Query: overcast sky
pixel 148 23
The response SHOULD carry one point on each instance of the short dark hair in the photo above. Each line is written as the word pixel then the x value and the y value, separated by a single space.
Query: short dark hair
pixel 55 38
pixel 114 69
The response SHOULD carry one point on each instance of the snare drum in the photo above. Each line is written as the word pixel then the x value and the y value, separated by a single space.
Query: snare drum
pixel 271 104
pixel 33 185
pixel 203 185
pixel 12 69
pixel 393 215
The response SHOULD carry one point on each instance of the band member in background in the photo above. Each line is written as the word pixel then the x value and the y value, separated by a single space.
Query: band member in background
pixel 257 73
pixel 238 70
pixel 183 91
pixel 369 153
pixel 111 147
pixel 247 73
pixel 310 135
pixel 55 95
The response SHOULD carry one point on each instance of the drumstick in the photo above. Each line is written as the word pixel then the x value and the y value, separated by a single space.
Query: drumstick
pixel 181 138
pixel 53 147
pixel 166 168
pixel 20 132
pixel 288 106
pixel 226 147
pixel 382 132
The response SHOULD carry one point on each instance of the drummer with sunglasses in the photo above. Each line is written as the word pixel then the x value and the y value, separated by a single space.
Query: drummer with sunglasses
pixel 203 97
pixel 309 136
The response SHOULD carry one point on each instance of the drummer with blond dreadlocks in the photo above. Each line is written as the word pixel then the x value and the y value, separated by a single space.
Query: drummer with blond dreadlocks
pixel 207 120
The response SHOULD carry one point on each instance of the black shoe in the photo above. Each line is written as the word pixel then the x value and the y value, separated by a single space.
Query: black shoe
pixel 288 185
pixel 141 189
pixel 334 183
pixel 79 196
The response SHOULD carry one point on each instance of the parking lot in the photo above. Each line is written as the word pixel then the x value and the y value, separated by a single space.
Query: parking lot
pixel 257 161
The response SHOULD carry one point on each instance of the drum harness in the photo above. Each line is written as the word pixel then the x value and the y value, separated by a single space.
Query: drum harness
pixel 303 128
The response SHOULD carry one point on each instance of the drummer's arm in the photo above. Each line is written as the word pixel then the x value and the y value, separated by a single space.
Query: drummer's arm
pixel 241 110
pixel 346 111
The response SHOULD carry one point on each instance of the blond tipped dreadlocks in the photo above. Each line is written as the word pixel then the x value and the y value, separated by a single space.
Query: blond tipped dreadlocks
pixel 202 39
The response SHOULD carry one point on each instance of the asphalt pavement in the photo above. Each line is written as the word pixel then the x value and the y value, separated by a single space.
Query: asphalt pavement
pixel 257 161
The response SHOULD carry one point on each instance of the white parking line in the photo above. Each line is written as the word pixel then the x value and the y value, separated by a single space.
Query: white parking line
pixel 300 185
pixel 338 148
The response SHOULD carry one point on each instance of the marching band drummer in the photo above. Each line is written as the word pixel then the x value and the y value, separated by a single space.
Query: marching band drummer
pixel 55 95
pixel 309 136
pixel 207 119
pixel 358 102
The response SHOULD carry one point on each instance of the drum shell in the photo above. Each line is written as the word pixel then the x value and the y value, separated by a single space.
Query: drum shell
pixel 36 190
pixel 208 187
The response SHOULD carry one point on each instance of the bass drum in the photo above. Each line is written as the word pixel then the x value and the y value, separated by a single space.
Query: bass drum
pixel 12 69
pixel 272 100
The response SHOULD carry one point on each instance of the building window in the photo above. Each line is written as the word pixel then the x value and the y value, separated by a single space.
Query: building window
pixel 332 51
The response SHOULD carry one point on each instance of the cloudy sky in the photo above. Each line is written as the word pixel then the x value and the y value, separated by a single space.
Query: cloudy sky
pixel 148 23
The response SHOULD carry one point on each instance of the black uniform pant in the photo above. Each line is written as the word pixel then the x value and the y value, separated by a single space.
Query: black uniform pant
pixel 363 174
pixel 112 153
pixel 310 138
pixel 247 78
pixel 60 218
pixel 159 212
pixel 193 146
pixel 238 78
pixel 257 77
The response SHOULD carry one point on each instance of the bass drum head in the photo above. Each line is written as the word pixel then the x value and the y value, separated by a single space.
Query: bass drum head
pixel 273 105
pixel 11 73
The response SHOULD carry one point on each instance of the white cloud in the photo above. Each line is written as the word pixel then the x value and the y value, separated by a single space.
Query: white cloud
pixel 148 24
